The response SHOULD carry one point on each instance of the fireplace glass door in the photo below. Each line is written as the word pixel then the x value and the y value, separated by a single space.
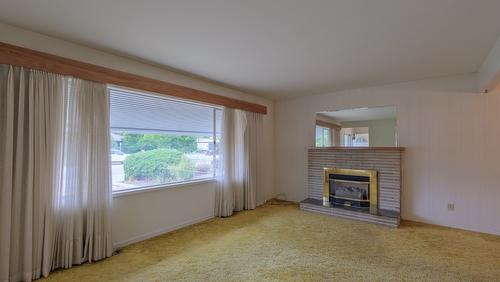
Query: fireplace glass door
pixel 350 190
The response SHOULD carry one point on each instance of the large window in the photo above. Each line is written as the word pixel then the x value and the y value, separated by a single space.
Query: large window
pixel 158 141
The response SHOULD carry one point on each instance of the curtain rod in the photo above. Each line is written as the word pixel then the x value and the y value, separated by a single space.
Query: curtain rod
pixel 24 57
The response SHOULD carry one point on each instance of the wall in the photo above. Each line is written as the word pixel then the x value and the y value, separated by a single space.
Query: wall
pixel 451 135
pixel 143 215
pixel 382 133
pixel 137 216
pixel 489 73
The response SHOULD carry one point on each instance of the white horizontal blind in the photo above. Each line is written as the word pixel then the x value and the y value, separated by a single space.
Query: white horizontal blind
pixel 144 113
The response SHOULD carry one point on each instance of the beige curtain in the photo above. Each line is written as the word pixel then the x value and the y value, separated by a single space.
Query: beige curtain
pixel 239 184
pixel 54 191
pixel 253 156
pixel 228 168
pixel 83 198
pixel 31 116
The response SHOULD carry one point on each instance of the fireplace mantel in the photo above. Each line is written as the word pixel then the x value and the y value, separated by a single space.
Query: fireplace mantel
pixel 386 161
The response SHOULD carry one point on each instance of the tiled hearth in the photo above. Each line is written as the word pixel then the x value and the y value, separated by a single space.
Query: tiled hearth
pixel 385 161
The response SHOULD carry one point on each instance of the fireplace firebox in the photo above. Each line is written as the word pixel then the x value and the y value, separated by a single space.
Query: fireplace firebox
pixel 350 187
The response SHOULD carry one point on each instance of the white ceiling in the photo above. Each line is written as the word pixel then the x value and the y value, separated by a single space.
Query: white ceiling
pixel 359 114
pixel 278 48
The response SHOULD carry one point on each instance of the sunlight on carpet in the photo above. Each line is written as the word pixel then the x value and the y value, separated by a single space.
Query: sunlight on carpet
pixel 280 242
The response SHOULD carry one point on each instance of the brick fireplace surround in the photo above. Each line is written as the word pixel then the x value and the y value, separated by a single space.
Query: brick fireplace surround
pixel 385 160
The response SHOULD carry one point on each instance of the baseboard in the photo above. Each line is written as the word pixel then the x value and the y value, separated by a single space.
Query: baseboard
pixel 146 236
pixel 452 226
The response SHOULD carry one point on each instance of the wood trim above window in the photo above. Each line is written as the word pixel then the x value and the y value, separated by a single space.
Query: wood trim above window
pixel 327 124
pixel 19 56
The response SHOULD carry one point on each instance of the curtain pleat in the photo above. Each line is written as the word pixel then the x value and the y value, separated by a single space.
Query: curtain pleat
pixel 85 195
pixel 239 160
pixel 51 215
pixel 240 172
pixel 254 194
pixel 29 123
pixel 224 195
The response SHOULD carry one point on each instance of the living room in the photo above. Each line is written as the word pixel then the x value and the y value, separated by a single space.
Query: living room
pixel 279 140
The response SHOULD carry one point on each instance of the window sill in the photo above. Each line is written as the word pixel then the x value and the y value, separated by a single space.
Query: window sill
pixel 162 187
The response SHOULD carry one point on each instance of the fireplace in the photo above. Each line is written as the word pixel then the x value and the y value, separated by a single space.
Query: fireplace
pixel 350 187
pixel 382 193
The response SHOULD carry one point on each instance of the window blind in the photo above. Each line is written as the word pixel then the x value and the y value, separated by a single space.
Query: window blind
pixel 145 113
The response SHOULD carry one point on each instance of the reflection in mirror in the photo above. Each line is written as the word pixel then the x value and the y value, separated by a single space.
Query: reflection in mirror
pixel 362 127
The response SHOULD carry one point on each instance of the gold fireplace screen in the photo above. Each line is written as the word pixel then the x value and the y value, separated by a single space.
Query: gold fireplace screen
pixel 373 188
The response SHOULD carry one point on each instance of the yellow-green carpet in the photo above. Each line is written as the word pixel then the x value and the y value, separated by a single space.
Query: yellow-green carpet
pixel 280 242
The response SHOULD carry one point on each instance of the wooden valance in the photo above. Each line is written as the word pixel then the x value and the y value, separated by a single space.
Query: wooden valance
pixel 328 124
pixel 19 56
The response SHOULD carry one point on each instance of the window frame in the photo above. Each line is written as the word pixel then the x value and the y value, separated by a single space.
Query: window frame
pixel 126 192
pixel 325 133
pixel 170 185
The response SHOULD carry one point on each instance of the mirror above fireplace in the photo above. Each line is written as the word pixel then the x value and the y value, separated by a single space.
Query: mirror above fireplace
pixel 359 127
